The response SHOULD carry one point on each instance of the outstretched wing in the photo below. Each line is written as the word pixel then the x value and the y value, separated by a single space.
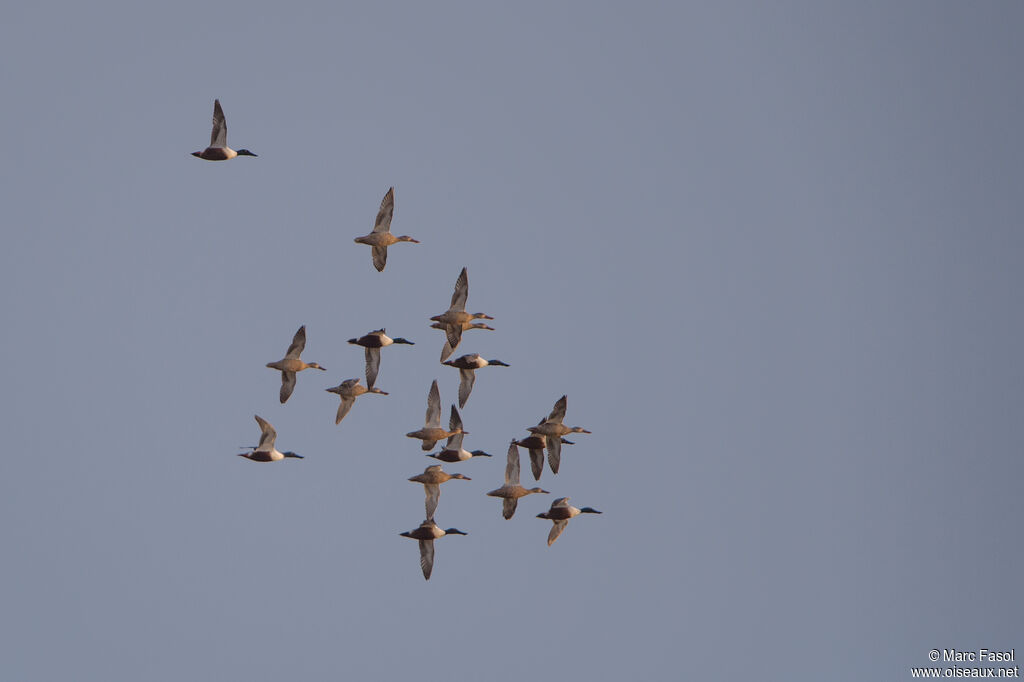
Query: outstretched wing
pixel 554 452
pixel 536 462
pixel 427 557
pixel 454 422
pixel 433 491
pixel 512 466
pixel 219 134
pixel 453 334
pixel 287 385
pixel 448 349
pixel 372 365
pixel 461 292
pixel 267 436
pixel 467 376
pixel 343 408
pixel 556 529
pixel 380 257
pixel 387 209
pixel 508 507
pixel 558 412
pixel 298 344
pixel 433 407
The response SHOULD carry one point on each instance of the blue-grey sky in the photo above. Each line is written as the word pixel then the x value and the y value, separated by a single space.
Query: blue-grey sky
pixel 771 251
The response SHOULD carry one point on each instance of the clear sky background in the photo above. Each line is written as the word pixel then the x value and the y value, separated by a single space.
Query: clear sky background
pixel 771 251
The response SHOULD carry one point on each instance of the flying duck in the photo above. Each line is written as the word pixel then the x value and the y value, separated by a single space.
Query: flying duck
pixel 291 364
pixel 456 316
pixel 381 238
pixel 559 514
pixel 512 491
pixel 453 450
pixel 349 390
pixel 265 451
pixel 432 431
pixel 219 149
pixel 467 365
pixel 372 343
pixel 427 532
pixel 432 478
pixel 553 429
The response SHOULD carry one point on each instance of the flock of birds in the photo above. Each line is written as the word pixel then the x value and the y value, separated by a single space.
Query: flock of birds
pixel 549 433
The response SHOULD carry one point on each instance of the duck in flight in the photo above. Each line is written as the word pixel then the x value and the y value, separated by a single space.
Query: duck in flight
pixel 372 343
pixel 467 366
pixel 536 444
pixel 560 513
pixel 432 431
pixel 265 451
pixel 512 491
pixel 349 390
pixel 455 319
pixel 381 238
pixel 432 478
pixel 219 149
pixel 290 364
pixel 427 532
pixel 453 450
pixel 552 429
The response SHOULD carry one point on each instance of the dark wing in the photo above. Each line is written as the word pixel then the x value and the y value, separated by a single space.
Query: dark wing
pixel 508 507
pixel 267 436
pixel 298 344
pixel 558 412
pixel 427 557
pixel 467 377
pixel 343 408
pixel 219 135
pixel 554 452
pixel 536 463
pixel 454 422
pixel 453 334
pixel 512 466
pixel 461 292
pixel 372 365
pixel 556 529
pixel 433 491
pixel 387 209
pixel 287 385
pixel 380 257
pixel 433 407
pixel 447 350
